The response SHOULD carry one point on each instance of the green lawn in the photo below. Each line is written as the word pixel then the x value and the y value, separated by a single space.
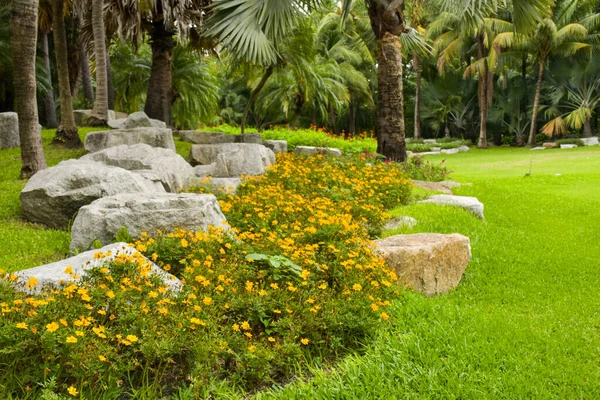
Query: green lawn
pixel 524 322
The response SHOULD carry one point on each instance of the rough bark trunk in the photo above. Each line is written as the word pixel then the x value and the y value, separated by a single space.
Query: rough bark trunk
pixel 49 103
pixel 254 95
pixel 390 107
pixel 482 92
pixel 536 104
pixel 23 28
pixel 100 110
pixel 351 118
pixel 66 134
pixel 160 86
pixel 417 65
pixel 111 88
pixel 587 128
pixel 86 76
pixel 446 129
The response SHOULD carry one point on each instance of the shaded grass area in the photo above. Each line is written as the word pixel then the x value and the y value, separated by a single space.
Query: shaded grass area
pixel 523 323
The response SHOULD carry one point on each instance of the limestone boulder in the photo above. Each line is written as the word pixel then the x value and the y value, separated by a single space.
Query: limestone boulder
pixel 248 138
pixel 136 120
pixel 568 146
pixel 278 146
pixel 549 145
pixel 233 159
pixel 430 263
pixel 429 141
pixel 9 130
pixel 538 148
pixel 53 195
pixel 470 204
pixel 54 275
pixel 450 151
pixel 155 137
pixel 82 117
pixel 463 149
pixel 203 137
pixel 311 151
pixel 591 141
pixel 148 212
pixel 155 163
pixel 205 170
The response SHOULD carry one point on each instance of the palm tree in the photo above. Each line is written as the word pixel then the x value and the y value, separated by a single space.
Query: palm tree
pixel 100 109
pixel 563 34
pixel 67 133
pixel 23 24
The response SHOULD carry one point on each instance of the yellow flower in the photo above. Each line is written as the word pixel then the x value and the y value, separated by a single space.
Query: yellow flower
pixel 274 286
pixel 270 339
pixel 207 301
pixel 101 358
pixel 235 327
pixel 246 326
pixel 251 348
pixel 304 341
pixel 197 321
pixel 184 243
pixel 110 294
pixel 357 287
pixel 79 333
pixel 72 391
pixel 374 307
pixel 248 334
pixel 132 338
pixel 384 316
pixel 22 325
pixel 31 282
pixel 52 327
pixel 71 339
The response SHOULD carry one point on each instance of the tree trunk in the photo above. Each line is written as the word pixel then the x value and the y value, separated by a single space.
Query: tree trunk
pixel 23 28
pixel 111 88
pixel 66 134
pixel 100 110
pixel 390 107
pixel 86 76
pixel 49 103
pixel 536 104
pixel 351 117
pixel 254 95
pixel 483 92
pixel 587 128
pixel 417 65
pixel 160 87
pixel 446 129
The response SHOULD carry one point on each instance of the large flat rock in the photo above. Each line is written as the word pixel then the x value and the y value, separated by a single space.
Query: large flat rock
pixel 136 120
pixel 204 137
pixel 155 163
pixel 311 151
pixel 470 204
pixel 148 212
pixel 591 141
pixel 155 137
pixel 430 263
pixel 54 274
pixel 82 117
pixel 233 159
pixel 53 195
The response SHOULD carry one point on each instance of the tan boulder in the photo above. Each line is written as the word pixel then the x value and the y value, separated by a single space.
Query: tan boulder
pixel 549 145
pixel 430 263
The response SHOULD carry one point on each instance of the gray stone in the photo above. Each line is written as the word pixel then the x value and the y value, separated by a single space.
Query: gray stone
pixel 538 148
pixel 200 137
pixel 400 222
pixel 156 137
pixel 248 138
pixel 430 263
pixel 568 146
pixel 54 275
pixel 450 151
pixel 82 117
pixel 429 153
pixel 102 219
pixel 53 195
pixel 450 184
pixel 311 151
pixel 233 159
pixel 470 204
pixel 154 163
pixel 278 146
pixel 205 170
pixel 117 123
pixel 9 130
pixel 429 141
pixel 463 148
pixel 549 145
pixel 136 120
pixel 437 149
pixel 591 141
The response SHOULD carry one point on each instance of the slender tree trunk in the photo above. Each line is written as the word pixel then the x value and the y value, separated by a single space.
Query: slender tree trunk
pixel 160 87
pixel 49 103
pixel 254 95
pixel 446 129
pixel 86 76
pixel 351 117
pixel 111 88
pixel 333 118
pixel 100 110
pixel 536 104
pixel 390 107
pixel 23 28
pixel 417 65
pixel 66 134
pixel 587 128
pixel 483 92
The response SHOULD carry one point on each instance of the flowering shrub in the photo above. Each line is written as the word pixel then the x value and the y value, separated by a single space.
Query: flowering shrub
pixel 418 168
pixel 294 279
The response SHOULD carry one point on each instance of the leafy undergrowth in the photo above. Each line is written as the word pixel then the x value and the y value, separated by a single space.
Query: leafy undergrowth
pixel 295 282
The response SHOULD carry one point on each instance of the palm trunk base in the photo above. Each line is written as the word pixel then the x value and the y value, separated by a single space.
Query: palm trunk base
pixel 67 137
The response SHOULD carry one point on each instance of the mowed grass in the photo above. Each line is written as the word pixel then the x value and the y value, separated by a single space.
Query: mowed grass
pixel 524 322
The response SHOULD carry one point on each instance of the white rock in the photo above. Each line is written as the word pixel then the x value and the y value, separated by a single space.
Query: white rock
pixel 400 222
pixel 102 219
pixel 157 164
pixel 205 170
pixel 436 149
pixel 278 146
pixel 429 153
pixel 311 151
pixel 202 137
pixel 233 159
pixel 136 120
pixel 470 204
pixel 450 151
pixel 429 141
pixel 463 148
pixel 82 116
pixel 9 130
pixel 592 141
pixel 53 195
pixel 538 148
pixel 568 146
pixel 155 137
pixel 53 274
